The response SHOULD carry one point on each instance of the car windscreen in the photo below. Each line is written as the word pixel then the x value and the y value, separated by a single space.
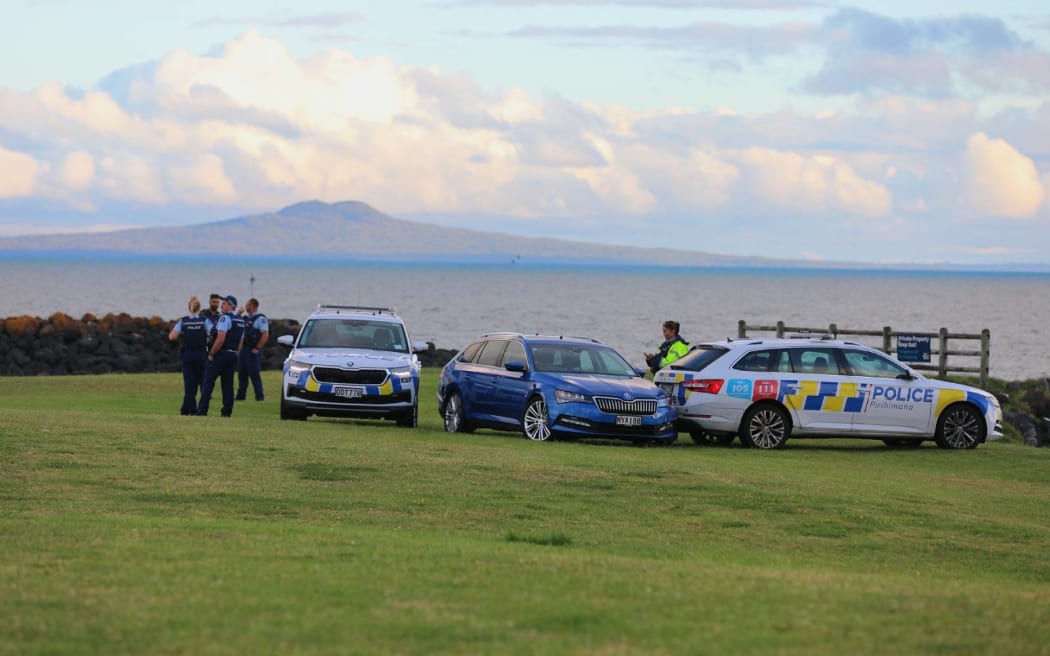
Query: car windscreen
pixel 698 358
pixel 580 358
pixel 354 333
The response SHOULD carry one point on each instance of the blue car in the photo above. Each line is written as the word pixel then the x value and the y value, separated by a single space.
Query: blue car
pixel 551 387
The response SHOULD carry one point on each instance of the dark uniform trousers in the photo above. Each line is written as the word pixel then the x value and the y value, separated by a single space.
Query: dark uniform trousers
pixel 193 366
pixel 224 366
pixel 248 367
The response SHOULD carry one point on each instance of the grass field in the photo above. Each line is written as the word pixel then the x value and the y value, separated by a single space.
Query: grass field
pixel 125 528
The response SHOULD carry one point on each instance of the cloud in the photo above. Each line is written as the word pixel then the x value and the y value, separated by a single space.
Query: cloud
pixel 818 184
pixel 698 38
pixel 77 170
pixel 930 57
pixel 1000 181
pixel 20 173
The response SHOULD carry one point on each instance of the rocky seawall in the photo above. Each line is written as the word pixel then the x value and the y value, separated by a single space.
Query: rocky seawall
pixel 119 343
pixel 61 345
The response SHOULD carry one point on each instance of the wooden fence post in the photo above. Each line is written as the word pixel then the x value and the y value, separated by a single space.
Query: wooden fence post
pixel 886 344
pixel 942 357
pixel 986 342
pixel 741 329
pixel 780 329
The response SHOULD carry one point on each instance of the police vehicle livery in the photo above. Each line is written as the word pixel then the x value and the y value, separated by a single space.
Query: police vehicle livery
pixel 351 361
pixel 766 390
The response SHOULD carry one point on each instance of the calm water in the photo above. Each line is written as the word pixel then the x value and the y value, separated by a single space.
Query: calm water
pixel 624 307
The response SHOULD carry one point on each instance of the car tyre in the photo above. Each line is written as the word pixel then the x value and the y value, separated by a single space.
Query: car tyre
pixel 536 422
pixel 290 413
pixel 410 418
pixel 960 427
pixel 765 426
pixel 701 437
pixel 455 418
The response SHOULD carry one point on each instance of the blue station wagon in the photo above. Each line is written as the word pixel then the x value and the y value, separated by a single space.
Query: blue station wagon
pixel 549 387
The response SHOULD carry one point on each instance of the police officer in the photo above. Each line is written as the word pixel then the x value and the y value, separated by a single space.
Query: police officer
pixel 249 362
pixel 212 314
pixel 222 358
pixel 194 329
pixel 672 348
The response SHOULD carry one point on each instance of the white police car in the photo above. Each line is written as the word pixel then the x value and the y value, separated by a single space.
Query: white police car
pixel 767 390
pixel 352 361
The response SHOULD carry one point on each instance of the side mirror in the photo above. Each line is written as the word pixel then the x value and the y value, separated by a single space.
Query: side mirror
pixel 514 365
pixel 286 340
pixel 419 347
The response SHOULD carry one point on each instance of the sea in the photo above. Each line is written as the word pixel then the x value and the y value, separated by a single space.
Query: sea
pixel 449 304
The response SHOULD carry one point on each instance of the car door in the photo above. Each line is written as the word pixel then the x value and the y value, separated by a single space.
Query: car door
pixel 817 391
pixel 512 387
pixel 482 401
pixel 895 402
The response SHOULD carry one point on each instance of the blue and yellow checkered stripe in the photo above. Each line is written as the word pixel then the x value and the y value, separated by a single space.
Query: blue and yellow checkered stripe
pixel 824 396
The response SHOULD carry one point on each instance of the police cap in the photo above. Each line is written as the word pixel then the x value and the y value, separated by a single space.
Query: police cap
pixel 231 299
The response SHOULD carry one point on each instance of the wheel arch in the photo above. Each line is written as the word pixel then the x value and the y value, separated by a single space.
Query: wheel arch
pixel 977 409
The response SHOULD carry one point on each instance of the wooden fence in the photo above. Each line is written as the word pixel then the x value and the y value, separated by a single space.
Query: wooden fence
pixel 939 347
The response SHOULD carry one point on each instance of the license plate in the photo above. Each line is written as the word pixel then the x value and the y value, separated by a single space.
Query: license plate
pixel 628 420
pixel 348 392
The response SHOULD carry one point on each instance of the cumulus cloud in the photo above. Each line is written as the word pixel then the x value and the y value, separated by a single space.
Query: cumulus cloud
pixel 77 170
pixel 20 173
pixel 1000 181
pixel 813 184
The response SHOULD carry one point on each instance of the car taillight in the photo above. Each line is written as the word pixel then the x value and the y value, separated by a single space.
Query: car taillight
pixel 710 385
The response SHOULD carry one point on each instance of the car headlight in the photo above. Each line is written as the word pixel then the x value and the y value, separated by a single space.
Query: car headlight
pixel 295 367
pixel 663 402
pixel 564 396
pixel 403 374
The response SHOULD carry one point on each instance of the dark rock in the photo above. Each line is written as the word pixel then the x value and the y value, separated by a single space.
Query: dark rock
pixel 1025 426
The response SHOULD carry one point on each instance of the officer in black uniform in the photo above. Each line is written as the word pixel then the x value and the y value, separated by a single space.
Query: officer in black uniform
pixel 212 314
pixel 249 362
pixel 194 329
pixel 222 358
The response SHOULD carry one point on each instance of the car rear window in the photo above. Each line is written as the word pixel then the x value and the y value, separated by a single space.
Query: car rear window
pixel 698 358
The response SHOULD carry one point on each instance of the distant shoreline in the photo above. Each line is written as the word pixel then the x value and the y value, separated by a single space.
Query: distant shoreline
pixel 530 263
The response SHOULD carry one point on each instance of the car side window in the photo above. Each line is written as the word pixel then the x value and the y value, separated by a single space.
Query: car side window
pixel 782 363
pixel 471 352
pixel 865 363
pixel 515 351
pixel 491 353
pixel 819 361
pixel 755 361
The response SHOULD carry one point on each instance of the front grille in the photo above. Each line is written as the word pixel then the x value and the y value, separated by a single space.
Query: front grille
pixel 355 376
pixel 617 406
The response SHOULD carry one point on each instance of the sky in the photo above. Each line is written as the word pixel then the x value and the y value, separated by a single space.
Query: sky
pixel 884 132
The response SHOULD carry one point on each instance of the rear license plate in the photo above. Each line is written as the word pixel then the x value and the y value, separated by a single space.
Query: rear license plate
pixel 628 420
pixel 348 392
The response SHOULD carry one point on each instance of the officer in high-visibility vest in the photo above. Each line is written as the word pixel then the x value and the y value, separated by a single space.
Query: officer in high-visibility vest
pixel 672 348
pixel 194 329
pixel 249 362
pixel 222 358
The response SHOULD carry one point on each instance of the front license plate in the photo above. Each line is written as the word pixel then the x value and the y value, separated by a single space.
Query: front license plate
pixel 348 392
pixel 628 420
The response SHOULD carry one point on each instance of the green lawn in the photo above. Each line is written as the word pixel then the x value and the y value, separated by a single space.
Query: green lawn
pixel 125 528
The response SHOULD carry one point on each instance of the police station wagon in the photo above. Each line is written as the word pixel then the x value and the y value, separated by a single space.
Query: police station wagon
pixel 352 361
pixel 767 390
